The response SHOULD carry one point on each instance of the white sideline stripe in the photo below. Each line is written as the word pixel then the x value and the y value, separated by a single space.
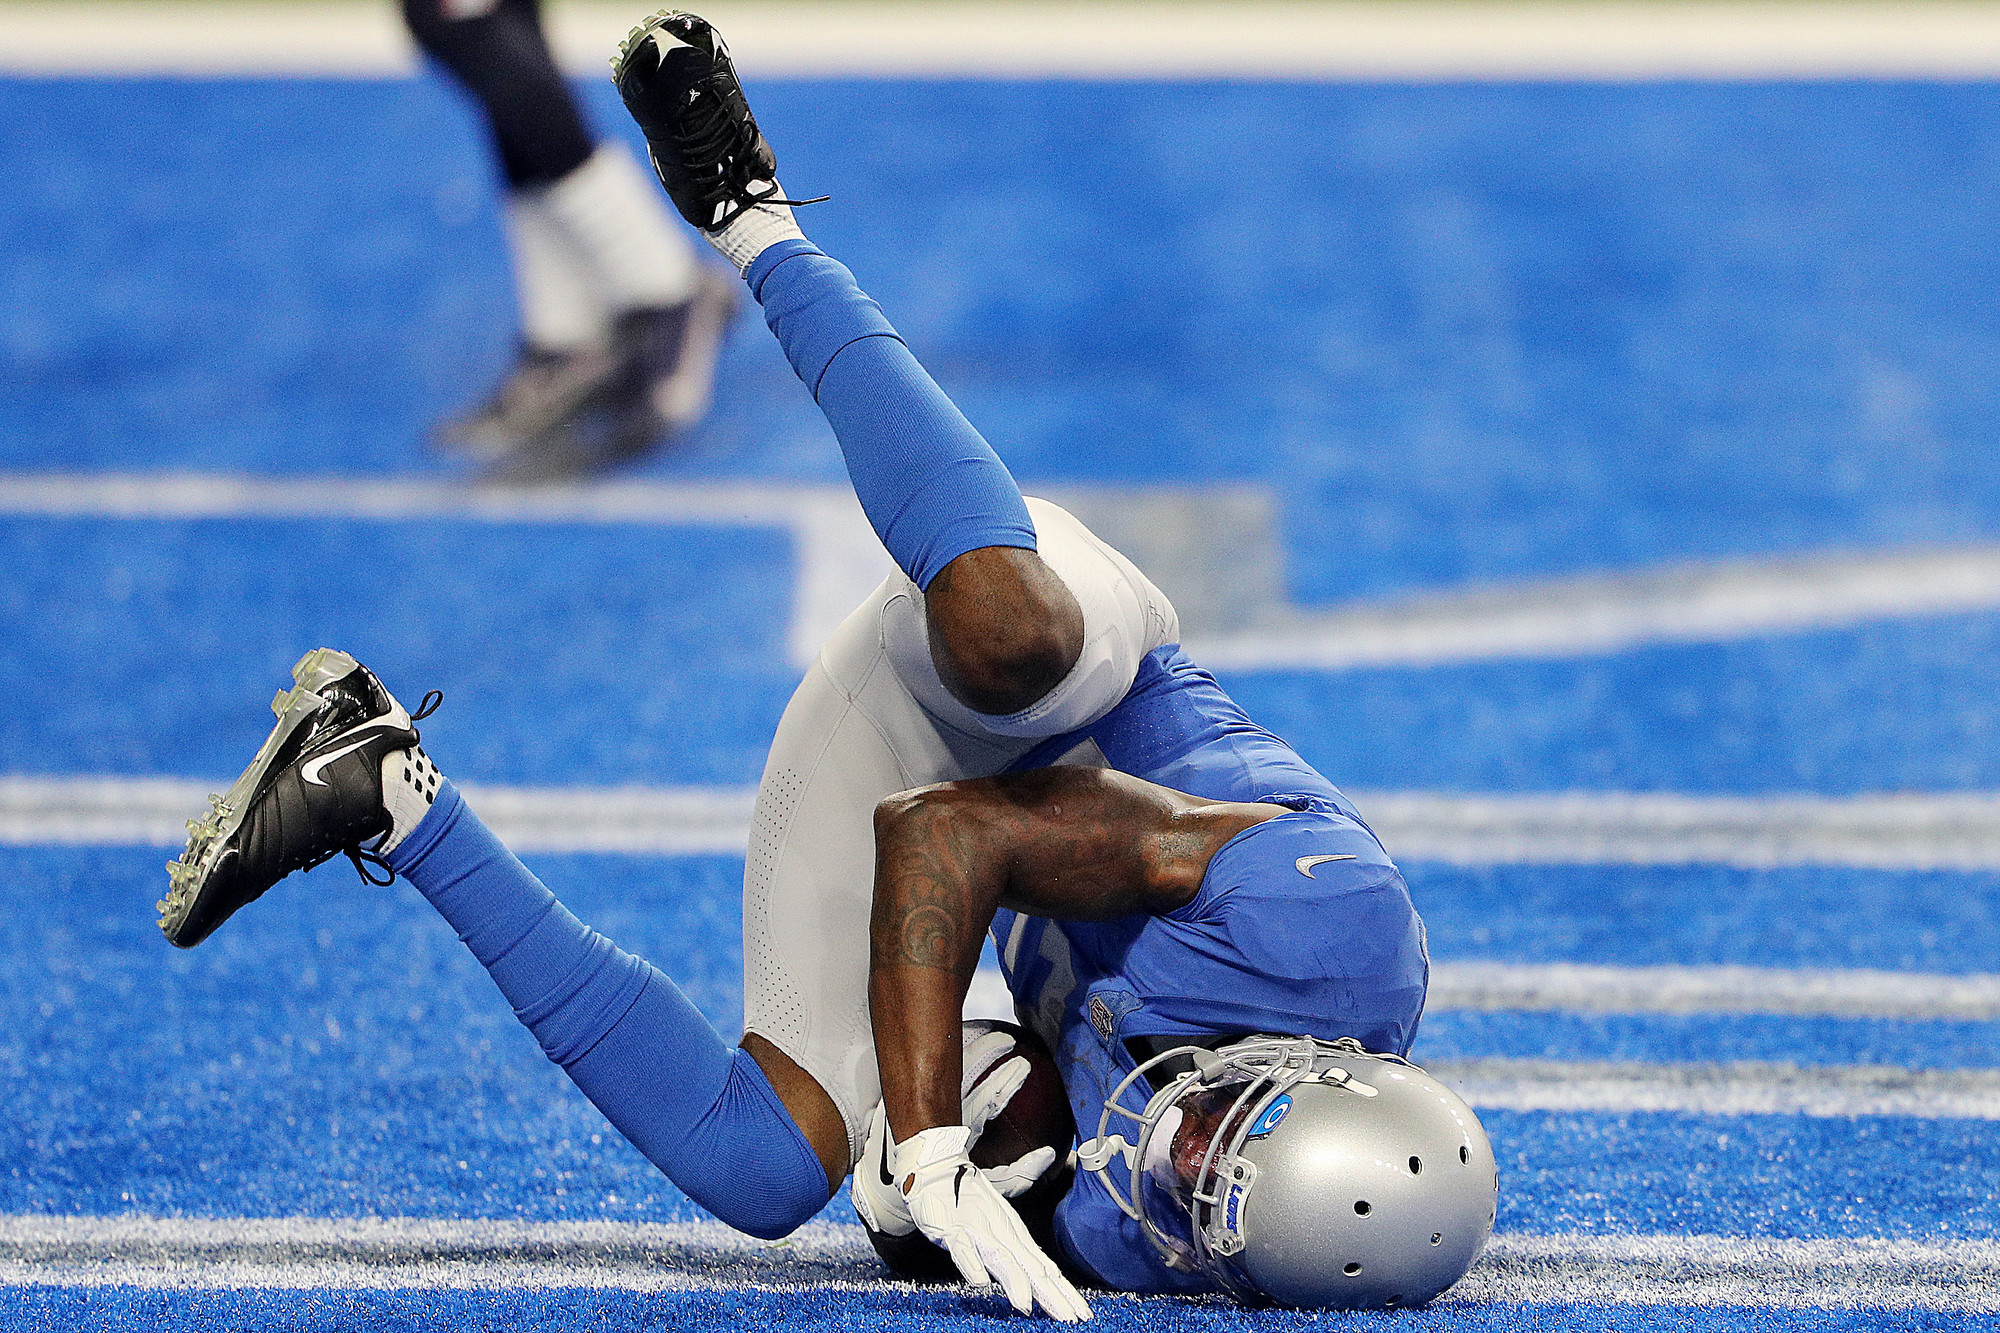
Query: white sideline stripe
pixel 1605 614
pixel 840 562
pixel 839 559
pixel 1735 1088
pixel 1951 831
pixel 297 1253
pixel 154 812
pixel 1732 1271
pixel 1822 992
pixel 223 495
pixel 1115 40
pixel 1900 831
pixel 36 811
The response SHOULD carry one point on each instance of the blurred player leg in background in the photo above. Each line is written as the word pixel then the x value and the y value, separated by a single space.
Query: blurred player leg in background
pixel 620 324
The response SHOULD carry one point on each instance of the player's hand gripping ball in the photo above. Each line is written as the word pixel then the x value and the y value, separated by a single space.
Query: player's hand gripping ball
pixel 1012 1100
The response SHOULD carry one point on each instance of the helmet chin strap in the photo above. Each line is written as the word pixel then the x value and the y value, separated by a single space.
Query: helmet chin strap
pixel 1095 1155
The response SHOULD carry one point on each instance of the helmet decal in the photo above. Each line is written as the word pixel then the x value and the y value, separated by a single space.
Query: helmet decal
pixel 1274 1115
pixel 1232 1209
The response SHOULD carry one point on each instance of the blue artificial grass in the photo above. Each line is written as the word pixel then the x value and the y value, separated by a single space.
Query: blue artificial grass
pixel 1466 333
pixel 841 1311
pixel 567 654
pixel 1808 916
pixel 1778 1176
pixel 657 655
pixel 333 1051
pixel 1476 332
pixel 1897 705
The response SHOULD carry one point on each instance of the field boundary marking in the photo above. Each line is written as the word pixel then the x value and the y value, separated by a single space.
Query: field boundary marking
pixel 1805 992
pixel 1947 831
pixel 446 1253
pixel 1230 590
pixel 1731 1088
pixel 1411 41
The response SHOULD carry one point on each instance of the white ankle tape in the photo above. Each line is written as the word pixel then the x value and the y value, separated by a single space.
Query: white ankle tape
pixel 409 785
pixel 753 232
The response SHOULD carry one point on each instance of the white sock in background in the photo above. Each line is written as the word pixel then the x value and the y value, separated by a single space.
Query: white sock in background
pixel 563 309
pixel 625 231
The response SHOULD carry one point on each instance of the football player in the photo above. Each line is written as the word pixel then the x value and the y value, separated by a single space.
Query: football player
pixel 620 325
pixel 1004 738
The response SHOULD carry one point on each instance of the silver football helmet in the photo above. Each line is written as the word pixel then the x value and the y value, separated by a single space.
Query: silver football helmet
pixel 1304 1172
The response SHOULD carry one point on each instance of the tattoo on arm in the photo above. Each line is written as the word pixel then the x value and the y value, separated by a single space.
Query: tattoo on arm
pixel 928 879
pixel 933 922
pixel 1073 844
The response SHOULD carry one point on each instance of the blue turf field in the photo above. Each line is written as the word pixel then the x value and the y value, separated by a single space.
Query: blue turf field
pixel 356 1024
pixel 1467 333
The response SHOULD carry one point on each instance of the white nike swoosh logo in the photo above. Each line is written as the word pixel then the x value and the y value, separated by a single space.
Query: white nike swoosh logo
pixel 311 771
pixel 1306 863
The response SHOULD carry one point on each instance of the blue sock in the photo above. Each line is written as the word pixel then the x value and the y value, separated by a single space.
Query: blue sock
pixel 927 481
pixel 701 1110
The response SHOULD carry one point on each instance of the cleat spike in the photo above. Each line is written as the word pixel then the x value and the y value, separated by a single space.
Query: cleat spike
pixel 239 847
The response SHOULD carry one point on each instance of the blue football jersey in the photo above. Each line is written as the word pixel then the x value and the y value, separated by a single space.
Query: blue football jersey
pixel 1302 926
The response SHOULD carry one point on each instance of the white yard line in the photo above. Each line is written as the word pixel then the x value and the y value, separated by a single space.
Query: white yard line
pixel 687 821
pixel 1823 992
pixel 449 1253
pixel 199 495
pixel 840 561
pixel 1734 1271
pixel 1735 1088
pixel 1412 40
pixel 1940 831
pixel 1901 831
pixel 1589 615
pixel 668 821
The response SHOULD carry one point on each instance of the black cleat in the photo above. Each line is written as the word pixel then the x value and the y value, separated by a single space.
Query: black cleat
pixel 541 394
pixel 314 789
pixel 668 358
pixel 571 414
pixel 677 80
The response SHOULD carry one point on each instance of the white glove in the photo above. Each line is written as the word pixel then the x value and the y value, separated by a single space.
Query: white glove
pixel 882 1206
pixel 876 1198
pixel 873 1187
pixel 955 1205
pixel 980 1102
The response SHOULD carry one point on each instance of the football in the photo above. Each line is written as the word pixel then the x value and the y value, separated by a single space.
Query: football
pixel 1037 1115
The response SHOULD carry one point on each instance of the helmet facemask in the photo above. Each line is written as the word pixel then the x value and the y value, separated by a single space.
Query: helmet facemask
pixel 1191 1177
